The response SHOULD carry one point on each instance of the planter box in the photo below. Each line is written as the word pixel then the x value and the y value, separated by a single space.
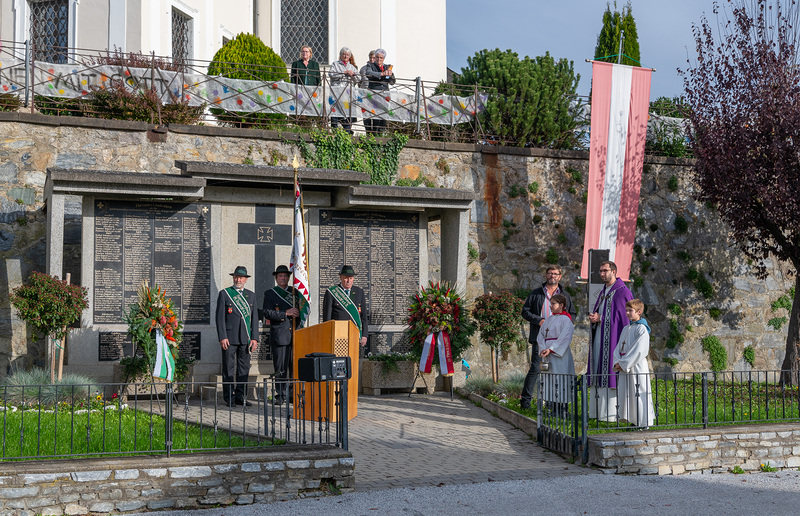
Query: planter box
pixel 143 386
pixel 375 379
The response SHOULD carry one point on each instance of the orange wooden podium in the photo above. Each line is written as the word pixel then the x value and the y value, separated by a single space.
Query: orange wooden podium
pixel 341 339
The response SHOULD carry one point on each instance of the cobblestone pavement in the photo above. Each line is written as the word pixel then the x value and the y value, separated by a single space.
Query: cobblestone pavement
pixel 425 440
pixel 429 440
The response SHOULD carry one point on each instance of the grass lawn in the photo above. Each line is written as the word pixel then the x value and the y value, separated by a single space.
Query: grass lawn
pixel 40 433
pixel 678 403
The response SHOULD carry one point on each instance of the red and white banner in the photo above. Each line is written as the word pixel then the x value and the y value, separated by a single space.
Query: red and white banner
pixel 441 341
pixel 620 102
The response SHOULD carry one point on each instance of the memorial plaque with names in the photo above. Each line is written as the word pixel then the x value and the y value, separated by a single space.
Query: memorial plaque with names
pixel 384 250
pixel 167 244
pixel 113 345
pixel 190 345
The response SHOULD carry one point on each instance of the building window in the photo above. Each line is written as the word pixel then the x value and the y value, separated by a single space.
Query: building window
pixel 50 30
pixel 181 37
pixel 304 22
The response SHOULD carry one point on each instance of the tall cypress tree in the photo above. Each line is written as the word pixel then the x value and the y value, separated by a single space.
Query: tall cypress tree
pixel 608 39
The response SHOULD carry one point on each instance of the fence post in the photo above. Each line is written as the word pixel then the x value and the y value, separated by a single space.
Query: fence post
pixel 416 94
pixel 704 386
pixel 168 419
pixel 585 419
pixel 344 424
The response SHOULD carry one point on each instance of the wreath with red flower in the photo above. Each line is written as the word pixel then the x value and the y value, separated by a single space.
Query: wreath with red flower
pixel 439 307
pixel 153 311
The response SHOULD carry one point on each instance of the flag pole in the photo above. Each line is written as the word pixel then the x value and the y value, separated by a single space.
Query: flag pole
pixel 295 165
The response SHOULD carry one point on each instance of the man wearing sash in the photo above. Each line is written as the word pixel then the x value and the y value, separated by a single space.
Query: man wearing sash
pixel 280 309
pixel 607 318
pixel 237 329
pixel 346 302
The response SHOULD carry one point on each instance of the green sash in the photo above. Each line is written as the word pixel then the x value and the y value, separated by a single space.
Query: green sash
pixel 240 301
pixel 285 295
pixel 352 310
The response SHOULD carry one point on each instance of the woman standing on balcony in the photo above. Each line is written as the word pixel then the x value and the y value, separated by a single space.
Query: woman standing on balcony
pixel 343 73
pixel 305 70
pixel 380 76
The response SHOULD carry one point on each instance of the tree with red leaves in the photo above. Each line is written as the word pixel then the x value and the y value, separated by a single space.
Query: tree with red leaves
pixel 743 94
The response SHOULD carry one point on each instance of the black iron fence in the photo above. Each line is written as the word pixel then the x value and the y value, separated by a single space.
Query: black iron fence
pixel 570 407
pixel 57 421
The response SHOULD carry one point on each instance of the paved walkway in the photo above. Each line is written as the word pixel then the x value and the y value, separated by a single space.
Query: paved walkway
pixel 425 440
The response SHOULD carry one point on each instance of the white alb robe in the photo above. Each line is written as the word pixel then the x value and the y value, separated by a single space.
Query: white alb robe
pixel 634 393
pixel 556 335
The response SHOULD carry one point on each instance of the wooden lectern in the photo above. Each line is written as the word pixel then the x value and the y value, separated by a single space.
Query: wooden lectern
pixel 337 337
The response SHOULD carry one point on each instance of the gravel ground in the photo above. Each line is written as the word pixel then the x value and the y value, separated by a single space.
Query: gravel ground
pixel 756 493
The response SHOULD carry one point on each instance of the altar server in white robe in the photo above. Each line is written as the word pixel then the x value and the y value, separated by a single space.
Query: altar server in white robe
pixel 555 336
pixel 634 394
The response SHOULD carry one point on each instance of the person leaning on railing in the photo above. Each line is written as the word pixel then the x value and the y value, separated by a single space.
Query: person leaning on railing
pixel 305 70
pixel 365 85
pixel 342 73
pixel 380 76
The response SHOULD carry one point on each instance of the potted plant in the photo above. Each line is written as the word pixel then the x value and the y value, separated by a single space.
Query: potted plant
pixel 388 371
pixel 438 323
pixel 499 317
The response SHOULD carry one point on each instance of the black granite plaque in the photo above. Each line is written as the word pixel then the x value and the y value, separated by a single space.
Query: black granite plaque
pixel 384 250
pixel 190 345
pixel 113 345
pixel 167 244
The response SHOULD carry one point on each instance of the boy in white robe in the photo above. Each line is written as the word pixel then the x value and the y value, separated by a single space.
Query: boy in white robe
pixel 634 394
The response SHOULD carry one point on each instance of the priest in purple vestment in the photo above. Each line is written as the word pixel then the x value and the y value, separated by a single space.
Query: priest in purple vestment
pixel 607 320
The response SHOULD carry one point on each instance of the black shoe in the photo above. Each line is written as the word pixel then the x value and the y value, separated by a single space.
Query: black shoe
pixel 231 403
pixel 525 406
pixel 278 400
pixel 244 402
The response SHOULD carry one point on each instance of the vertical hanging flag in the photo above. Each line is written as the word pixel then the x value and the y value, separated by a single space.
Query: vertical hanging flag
pixel 165 362
pixel 620 102
pixel 299 261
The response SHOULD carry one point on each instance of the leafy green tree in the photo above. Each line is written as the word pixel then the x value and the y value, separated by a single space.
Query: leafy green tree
pixel 531 103
pixel 499 320
pixel 614 23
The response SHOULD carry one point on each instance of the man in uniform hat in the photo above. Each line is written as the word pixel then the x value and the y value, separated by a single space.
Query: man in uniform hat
pixel 280 310
pixel 237 329
pixel 346 302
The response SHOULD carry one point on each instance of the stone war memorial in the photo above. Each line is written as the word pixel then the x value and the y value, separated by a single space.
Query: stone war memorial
pixel 185 232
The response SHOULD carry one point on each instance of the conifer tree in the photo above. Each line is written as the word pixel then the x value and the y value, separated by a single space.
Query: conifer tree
pixel 614 23
pixel 530 103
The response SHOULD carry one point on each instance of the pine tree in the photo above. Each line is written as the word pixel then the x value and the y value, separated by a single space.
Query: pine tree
pixel 530 103
pixel 614 23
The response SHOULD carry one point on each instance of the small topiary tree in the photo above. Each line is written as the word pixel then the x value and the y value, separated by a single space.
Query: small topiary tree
pixel 247 57
pixel 49 306
pixel 607 48
pixel 499 317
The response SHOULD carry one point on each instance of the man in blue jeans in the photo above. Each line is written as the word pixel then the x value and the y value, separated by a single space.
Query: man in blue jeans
pixel 535 310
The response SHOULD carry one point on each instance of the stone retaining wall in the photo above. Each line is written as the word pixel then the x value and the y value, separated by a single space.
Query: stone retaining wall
pixel 129 484
pixel 712 450
pixel 528 202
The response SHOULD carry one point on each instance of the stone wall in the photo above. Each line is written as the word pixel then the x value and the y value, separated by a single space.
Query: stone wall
pixel 712 450
pixel 182 481
pixel 528 202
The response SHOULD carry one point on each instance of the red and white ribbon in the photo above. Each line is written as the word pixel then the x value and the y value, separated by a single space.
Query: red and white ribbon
pixel 442 340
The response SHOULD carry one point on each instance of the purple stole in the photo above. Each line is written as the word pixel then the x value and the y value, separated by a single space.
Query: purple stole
pixel 610 305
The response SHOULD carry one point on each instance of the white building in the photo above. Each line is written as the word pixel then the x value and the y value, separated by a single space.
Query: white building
pixel 411 31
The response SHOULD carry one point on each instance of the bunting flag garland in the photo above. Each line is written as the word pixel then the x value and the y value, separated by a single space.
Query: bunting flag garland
pixel 165 362
pixel 620 101
pixel 442 343
pixel 299 261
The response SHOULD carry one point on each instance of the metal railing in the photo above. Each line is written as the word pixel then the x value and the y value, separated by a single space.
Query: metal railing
pixel 661 401
pixel 55 421
pixel 258 97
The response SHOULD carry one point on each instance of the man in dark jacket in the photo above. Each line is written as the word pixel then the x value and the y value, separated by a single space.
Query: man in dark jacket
pixel 346 302
pixel 535 310
pixel 237 329
pixel 280 309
